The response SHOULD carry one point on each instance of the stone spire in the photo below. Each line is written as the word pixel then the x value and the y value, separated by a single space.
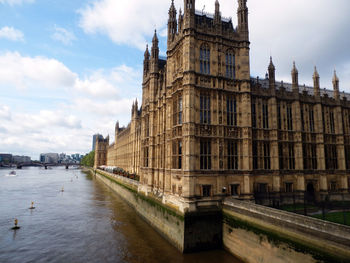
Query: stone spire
pixel 295 78
pixel 154 53
pixel 217 15
pixel 180 20
pixel 336 86
pixel 316 78
pixel 146 61
pixel 172 22
pixel 272 70
pixel 242 14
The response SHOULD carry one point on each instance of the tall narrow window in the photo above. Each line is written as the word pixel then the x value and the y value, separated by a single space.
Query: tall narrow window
pixel 311 119
pixel 347 157
pixel 204 59
pixel 291 159
pixel 205 109
pixel 147 125
pixel 331 157
pixel 253 114
pixel 289 118
pixel 232 155
pixel 302 118
pixel 177 154
pixel 281 156
pixel 230 65
pixel 279 124
pixel 145 156
pixel 177 110
pixel 231 111
pixel 331 121
pixel 265 112
pixel 266 157
pixel 205 155
pixel 255 155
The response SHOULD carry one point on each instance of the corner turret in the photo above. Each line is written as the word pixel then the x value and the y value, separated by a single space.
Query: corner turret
pixel 146 62
pixel 242 14
pixel 172 23
pixel 217 14
pixel 154 53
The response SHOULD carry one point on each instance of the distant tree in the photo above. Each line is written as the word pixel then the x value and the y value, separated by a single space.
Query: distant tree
pixel 88 159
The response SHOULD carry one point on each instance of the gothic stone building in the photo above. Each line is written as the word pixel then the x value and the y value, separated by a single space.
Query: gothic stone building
pixel 206 129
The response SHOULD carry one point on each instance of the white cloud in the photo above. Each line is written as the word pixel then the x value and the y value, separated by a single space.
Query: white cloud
pixel 27 72
pixel 5 112
pixel 63 35
pixel 89 104
pixel 125 22
pixel 16 2
pixel 11 33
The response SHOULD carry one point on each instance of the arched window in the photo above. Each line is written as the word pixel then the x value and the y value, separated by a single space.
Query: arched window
pixel 205 59
pixel 230 65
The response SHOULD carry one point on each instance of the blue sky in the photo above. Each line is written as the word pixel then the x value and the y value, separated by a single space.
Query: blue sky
pixel 69 69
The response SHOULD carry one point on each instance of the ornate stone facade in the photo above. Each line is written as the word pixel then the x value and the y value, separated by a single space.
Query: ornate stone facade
pixel 206 129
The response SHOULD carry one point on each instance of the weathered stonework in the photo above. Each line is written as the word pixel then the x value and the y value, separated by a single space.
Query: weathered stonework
pixel 206 129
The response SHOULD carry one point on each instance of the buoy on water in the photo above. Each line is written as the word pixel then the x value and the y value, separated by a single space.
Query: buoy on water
pixel 62 190
pixel 16 227
pixel 32 206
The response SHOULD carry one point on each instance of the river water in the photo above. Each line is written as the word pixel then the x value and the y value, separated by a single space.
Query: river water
pixel 86 222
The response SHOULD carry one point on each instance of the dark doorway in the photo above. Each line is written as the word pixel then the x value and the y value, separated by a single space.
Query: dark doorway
pixel 310 192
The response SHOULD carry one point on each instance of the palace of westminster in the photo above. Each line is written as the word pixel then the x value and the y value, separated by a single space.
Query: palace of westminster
pixel 205 129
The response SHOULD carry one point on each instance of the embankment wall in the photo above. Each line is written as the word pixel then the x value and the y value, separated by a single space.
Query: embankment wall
pixel 256 233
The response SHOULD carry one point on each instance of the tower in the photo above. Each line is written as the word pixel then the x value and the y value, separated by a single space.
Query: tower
pixel 242 14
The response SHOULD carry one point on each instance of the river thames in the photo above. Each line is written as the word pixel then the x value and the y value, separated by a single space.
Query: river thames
pixel 86 222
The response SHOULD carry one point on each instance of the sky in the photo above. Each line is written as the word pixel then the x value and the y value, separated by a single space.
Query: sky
pixel 70 69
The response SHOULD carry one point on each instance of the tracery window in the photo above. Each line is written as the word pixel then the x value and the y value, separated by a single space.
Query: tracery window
pixel 232 155
pixel 205 155
pixel 265 113
pixel 253 114
pixel 266 156
pixel 145 156
pixel 310 156
pixel 204 59
pixel 311 119
pixel 231 111
pixel 205 109
pixel 177 154
pixel 289 117
pixel 177 110
pixel 230 65
pixel 331 157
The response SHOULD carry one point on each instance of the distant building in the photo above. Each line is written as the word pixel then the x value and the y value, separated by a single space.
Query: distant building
pixel 49 157
pixel 94 140
pixel 21 159
pixel 5 158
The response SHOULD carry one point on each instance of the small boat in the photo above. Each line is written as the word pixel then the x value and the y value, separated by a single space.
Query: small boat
pixel 12 173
